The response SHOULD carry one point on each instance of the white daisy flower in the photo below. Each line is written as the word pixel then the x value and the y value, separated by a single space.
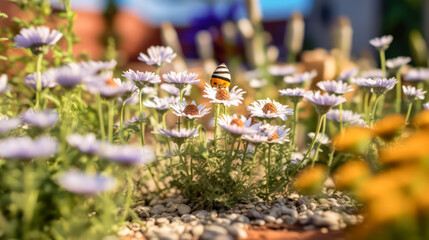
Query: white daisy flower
pixel 426 106
pixel 157 55
pixel 381 43
pixel 179 136
pixel 173 90
pixel 3 83
pixel 47 79
pixel 295 95
pixel 37 39
pixel 322 139
pixel 279 134
pixel 182 79
pixel 256 83
pixel 413 94
pixel 373 73
pixel 224 96
pixel 417 74
pixel 142 79
pixel 353 119
pixel 136 119
pixel 382 85
pixel 238 126
pixel 161 104
pixel 396 63
pixel 337 88
pixel 97 67
pixel 281 70
pixel 348 74
pixel 190 111
pixel 300 78
pixel 296 158
pixel 269 109
pixel 323 102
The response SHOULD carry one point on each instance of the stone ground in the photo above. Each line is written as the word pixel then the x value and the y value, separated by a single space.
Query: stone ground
pixel 297 217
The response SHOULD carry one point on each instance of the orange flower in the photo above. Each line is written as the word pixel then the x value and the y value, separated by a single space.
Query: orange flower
pixel 421 120
pixel 351 174
pixel 311 179
pixel 388 127
pixel 407 150
pixel 354 139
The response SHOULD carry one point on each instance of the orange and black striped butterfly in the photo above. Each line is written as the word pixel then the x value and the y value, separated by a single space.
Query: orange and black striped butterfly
pixel 221 77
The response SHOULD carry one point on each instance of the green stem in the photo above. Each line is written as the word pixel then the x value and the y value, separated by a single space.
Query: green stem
pixel 331 156
pixel 341 117
pixel 164 124
pixel 230 157
pixel 149 168
pixel 244 155
pixel 38 80
pixel 111 117
pixel 224 132
pixel 319 125
pixel 383 62
pixel 141 117
pixel 316 155
pixel 398 92
pixel 294 123
pixel 374 109
pixel 122 112
pixel 268 172
pixel 410 106
pixel 128 201
pixel 253 163
pixel 365 106
pixel 215 125
pixel 100 117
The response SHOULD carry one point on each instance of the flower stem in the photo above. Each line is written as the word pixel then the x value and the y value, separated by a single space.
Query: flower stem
pixel 253 163
pixel 244 155
pixel 268 172
pixel 383 62
pixel 374 109
pixel 215 125
pixel 319 125
pixel 38 80
pixel 294 123
pixel 331 156
pixel 141 116
pixel 164 124
pixel 316 155
pixel 365 106
pixel 341 117
pixel 410 106
pixel 100 117
pixel 122 112
pixel 130 190
pixel 398 92
pixel 149 168
pixel 110 124
pixel 230 157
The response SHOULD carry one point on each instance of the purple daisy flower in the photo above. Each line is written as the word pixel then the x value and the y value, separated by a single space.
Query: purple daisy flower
pixel 142 79
pixel 127 154
pixel 85 184
pixel 8 124
pixel 382 43
pixel 37 39
pixel 182 79
pixel 41 119
pixel 157 55
pixel 85 144
pixel 25 148
pixel 323 102
pixel 47 79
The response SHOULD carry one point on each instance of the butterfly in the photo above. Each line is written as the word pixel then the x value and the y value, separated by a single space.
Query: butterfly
pixel 221 77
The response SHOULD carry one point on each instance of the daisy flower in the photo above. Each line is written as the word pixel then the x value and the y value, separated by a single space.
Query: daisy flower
pixel 37 39
pixel 381 43
pixel 413 94
pixel 85 144
pixel 300 78
pixel 161 104
pixel 69 75
pixel 142 79
pixel 296 158
pixel 3 83
pixel 109 88
pixel 348 74
pixel 363 83
pixel 126 154
pixel 382 85
pixel 295 95
pixel 182 79
pixel 25 148
pixel 8 124
pixel 41 119
pixel 174 91
pixel 180 136
pixel 269 109
pixel 354 119
pixel 322 139
pixel 337 88
pixel 238 126
pixel 373 73
pixel 417 74
pixel 323 102
pixel 426 106
pixel 396 63
pixel 281 70
pixel 147 92
pixel 189 111
pixel 157 55
pixel 278 134
pixel 256 83
pixel 82 183
pixel 136 119
pixel 47 79
pixel 96 67
pixel 224 96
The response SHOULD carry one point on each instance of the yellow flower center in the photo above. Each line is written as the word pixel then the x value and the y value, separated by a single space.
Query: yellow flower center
pixel 269 108
pixel 111 83
pixel 237 122
pixel 191 110
pixel 223 94
pixel 275 136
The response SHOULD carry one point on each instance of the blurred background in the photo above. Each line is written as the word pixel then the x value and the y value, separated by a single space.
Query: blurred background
pixel 137 24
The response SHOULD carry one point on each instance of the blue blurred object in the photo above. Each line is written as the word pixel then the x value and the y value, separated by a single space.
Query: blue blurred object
pixel 183 12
